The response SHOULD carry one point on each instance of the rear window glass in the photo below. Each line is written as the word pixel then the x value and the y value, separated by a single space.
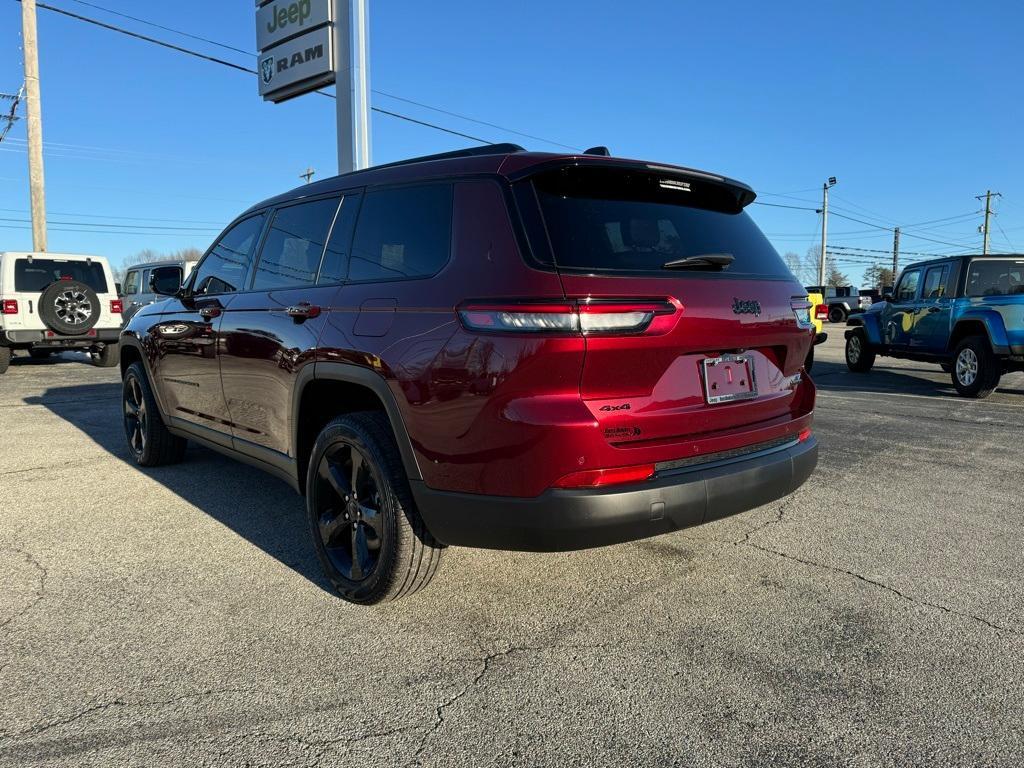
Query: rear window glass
pixel 33 276
pixel 995 277
pixel 614 220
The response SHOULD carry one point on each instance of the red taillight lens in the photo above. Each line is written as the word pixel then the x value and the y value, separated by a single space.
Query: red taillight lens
pixel 805 434
pixel 821 312
pixel 588 316
pixel 598 478
pixel 116 306
pixel 10 307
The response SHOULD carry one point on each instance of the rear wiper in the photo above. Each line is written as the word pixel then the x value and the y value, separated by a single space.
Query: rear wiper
pixel 703 261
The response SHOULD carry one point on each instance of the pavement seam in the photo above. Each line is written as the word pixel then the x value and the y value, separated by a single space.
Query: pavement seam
pixel 40 592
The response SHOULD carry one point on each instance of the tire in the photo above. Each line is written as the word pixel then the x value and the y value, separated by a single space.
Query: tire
pixel 976 371
pixel 149 442
pixel 358 451
pixel 39 354
pixel 859 356
pixel 836 314
pixel 5 359
pixel 69 307
pixel 108 357
pixel 809 360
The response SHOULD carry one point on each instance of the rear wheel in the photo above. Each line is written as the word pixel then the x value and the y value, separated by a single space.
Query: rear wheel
pixel 836 314
pixel 5 359
pixel 149 441
pixel 108 357
pixel 976 371
pixel 859 355
pixel 368 534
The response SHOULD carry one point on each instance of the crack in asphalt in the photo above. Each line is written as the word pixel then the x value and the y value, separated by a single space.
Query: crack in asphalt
pixel 40 592
pixel 745 541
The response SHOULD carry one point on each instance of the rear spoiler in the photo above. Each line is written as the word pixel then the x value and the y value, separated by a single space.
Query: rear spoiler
pixel 742 194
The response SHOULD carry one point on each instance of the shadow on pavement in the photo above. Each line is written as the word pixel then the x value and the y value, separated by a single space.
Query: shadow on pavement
pixel 261 509
pixel 837 377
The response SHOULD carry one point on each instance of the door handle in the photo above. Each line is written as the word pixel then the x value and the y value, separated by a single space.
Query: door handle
pixel 303 311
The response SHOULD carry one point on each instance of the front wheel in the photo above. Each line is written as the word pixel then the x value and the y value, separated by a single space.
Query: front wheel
pixel 976 371
pixel 5 359
pixel 149 441
pixel 859 355
pixel 368 534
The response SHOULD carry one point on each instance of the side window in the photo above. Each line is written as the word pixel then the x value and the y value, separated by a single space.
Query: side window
pixel 335 266
pixel 995 277
pixel 935 282
pixel 294 245
pixel 907 290
pixel 131 283
pixel 402 233
pixel 144 286
pixel 226 265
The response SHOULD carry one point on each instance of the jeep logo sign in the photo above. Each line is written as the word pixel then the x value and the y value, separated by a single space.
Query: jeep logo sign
pixel 296 44
pixel 743 307
pixel 281 20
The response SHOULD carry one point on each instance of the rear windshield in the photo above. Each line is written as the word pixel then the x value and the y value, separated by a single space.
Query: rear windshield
pixel 995 277
pixel 33 276
pixel 615 220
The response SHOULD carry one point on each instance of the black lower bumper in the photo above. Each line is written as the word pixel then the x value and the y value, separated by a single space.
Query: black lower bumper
pixel 39 339
pixel 820 338
pixel 559 520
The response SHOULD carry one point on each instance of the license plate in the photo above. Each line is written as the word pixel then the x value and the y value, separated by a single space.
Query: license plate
pixel 728 378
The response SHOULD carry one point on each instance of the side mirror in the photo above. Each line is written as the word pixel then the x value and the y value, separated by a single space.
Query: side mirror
pixel 165 281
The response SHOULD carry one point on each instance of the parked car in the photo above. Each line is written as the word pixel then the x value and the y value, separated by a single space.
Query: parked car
pixel 52 302
pixel 488 348
pixel 965 313
pixel 138 291
pixel 819 311
pixel 842 301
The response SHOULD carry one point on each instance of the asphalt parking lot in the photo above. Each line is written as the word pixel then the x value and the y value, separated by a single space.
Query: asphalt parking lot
pixel 177 616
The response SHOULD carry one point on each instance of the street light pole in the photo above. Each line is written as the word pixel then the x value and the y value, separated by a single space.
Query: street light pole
pixel 831 182
pixel 352 83
pixel 37 186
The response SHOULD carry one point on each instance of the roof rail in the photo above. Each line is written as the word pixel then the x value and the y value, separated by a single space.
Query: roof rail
pixel 486 149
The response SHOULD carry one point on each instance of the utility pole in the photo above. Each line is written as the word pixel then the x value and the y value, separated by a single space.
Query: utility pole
pixel 37 186
pixel 989 194
pixel 308 175
pixel 895 255
pixel 352 83
pixel 824 228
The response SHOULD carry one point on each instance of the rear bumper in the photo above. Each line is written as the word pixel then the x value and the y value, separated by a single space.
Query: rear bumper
pixel 28 339
pixel 559 520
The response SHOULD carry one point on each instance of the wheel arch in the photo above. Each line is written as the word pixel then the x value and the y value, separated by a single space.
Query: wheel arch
pixel 326 390
pixel 981 323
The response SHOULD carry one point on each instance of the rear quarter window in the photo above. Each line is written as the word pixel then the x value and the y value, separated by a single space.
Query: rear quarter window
pixel 621 220
pixel 32 276
pixel 995 277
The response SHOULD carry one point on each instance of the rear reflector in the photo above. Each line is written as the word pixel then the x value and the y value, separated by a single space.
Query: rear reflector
pixel 10 307
pixel 588 316
pixel 598 478
pixel 116 306
pixel 805 434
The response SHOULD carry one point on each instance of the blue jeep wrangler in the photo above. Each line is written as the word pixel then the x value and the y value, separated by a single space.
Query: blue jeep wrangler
pixel 965 313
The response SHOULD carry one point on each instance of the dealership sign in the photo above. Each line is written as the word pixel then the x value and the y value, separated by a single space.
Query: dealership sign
pixel 295 39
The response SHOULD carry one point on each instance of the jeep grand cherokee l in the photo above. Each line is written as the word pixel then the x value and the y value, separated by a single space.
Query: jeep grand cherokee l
pixel 488 348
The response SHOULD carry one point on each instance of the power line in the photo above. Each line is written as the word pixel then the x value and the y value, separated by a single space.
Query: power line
pixel 794 207
pixel 117 226
pixel 121 218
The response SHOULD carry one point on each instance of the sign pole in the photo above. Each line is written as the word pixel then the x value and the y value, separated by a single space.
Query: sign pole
pixel 352 83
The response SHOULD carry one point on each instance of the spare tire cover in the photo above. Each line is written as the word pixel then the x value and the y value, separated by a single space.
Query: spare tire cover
pixel 69 307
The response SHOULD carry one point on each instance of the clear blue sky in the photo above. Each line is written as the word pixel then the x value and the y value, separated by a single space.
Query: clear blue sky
pixel 916 107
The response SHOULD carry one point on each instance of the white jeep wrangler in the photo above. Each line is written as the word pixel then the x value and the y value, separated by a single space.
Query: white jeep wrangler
pixel 51 302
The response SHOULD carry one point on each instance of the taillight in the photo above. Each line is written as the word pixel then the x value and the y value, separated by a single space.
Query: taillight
pixel 598 478
pixel 821 312
pixel 588 316
pixel 10 306
pixel 116 306
pixel 802 310
pixel 805 434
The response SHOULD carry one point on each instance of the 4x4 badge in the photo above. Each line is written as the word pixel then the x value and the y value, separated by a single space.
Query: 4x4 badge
pixel 742 307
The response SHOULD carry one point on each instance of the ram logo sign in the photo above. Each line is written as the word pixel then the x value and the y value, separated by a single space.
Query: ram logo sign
pixel 296 44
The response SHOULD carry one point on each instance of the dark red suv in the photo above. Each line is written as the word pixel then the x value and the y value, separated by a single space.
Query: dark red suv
pixel 487 348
